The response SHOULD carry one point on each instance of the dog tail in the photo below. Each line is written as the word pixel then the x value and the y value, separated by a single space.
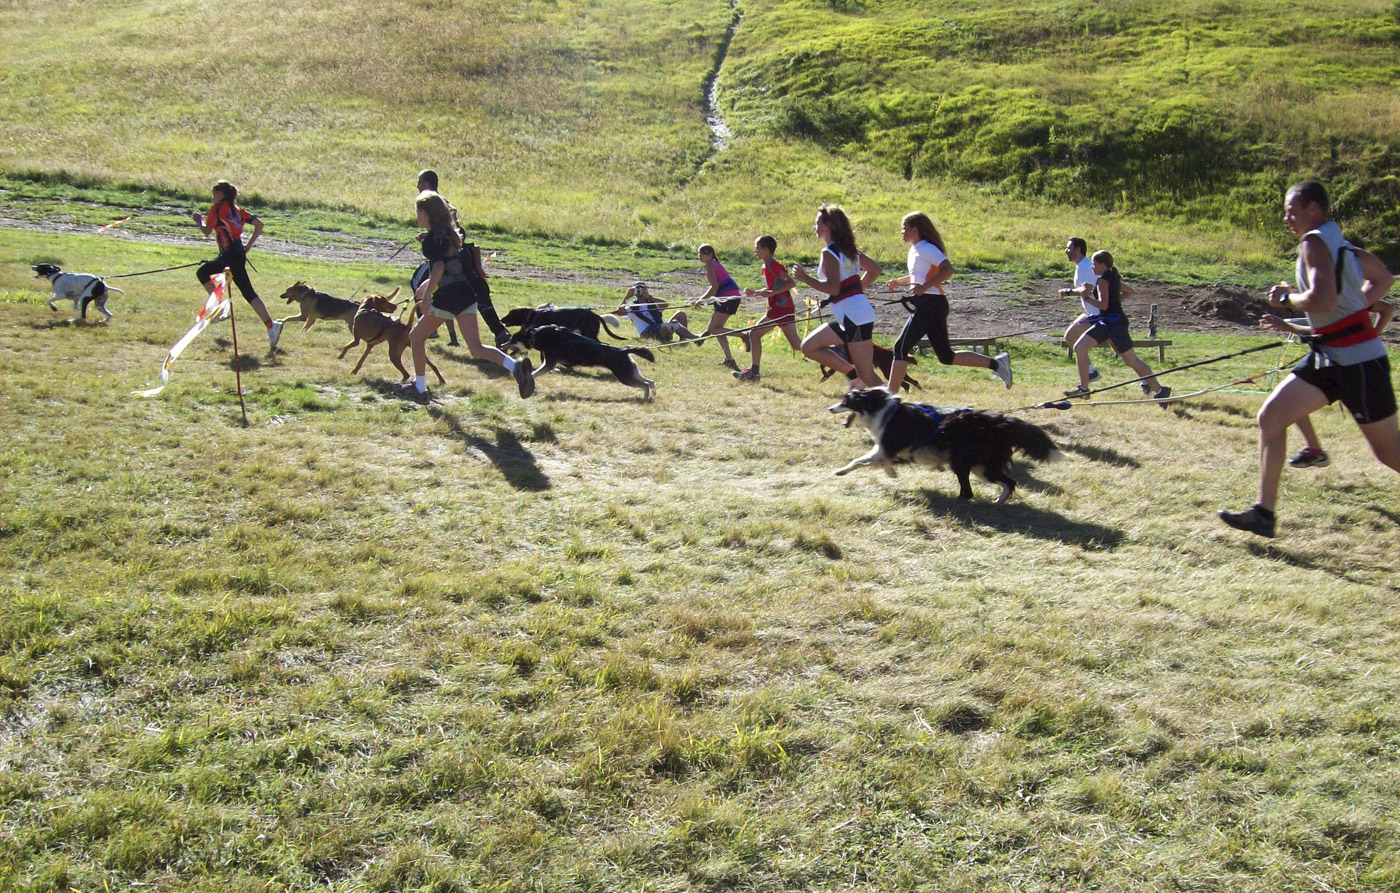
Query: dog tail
pixel 611 320
pixel 641 352
pixel 1031 440
pixel 115 289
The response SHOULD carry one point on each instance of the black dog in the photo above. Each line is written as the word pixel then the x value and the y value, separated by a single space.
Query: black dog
pixel 578 319
pixel 559 346
pixel 966 440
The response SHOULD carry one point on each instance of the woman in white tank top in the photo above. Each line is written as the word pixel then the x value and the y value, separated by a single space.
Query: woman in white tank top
pixel 845 274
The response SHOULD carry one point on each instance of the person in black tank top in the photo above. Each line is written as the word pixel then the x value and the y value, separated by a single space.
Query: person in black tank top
pixel 447 294
pixel 1112 326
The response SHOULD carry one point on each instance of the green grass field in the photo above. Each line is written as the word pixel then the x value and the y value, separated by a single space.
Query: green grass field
pixel 586 643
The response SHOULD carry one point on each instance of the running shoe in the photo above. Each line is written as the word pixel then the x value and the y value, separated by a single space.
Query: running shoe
pixel 1162 395
pixel 744 340
pixel 1250 521
pixel 1079 391
pixel 524 378
pixel 407 391
pixel 1093 373
pixel 274 334
pixel 1003 369
pixel 729 364
pixel 747 375
pixel 1310 458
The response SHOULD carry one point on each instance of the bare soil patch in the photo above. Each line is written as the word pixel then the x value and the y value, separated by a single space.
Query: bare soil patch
pixel 983 304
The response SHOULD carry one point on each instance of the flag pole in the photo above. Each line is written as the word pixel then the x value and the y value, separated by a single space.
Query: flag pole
pixel 237 366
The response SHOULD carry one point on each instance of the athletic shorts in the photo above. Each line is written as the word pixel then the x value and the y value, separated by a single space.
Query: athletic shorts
pixel 728 307
pixel 930 318
pixel 1364 388
pixel 855 319
pixel 452 300
pixel 1114 331
pixel 781 305
pixel 663 332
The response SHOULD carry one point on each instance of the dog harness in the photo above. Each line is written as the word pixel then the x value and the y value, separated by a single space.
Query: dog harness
pixel 934 415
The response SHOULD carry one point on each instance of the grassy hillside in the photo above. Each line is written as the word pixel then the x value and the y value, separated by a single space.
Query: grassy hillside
pixel 1164 131
pixel 1196 109
pixel 585 643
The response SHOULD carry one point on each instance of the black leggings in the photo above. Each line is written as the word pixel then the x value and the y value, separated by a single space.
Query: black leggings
pixel 236 259
pixel 484 308
pixel 929 318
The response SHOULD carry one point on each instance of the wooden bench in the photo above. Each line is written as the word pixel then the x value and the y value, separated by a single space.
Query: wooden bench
pixel 988 345
pixel 1158 343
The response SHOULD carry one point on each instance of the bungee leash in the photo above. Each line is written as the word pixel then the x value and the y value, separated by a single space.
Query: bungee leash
pixel 161 270
pixel 1206 362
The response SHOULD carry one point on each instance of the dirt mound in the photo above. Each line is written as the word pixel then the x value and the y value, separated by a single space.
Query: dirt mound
pixel 1230 304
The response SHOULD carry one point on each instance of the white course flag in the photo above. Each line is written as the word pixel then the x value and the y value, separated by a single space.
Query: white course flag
pixel 216 307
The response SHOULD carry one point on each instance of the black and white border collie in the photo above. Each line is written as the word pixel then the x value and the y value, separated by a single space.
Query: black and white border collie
pixel 966 440
pixel 80 288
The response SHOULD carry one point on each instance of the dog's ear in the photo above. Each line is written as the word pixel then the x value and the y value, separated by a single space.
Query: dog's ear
pixel 393 294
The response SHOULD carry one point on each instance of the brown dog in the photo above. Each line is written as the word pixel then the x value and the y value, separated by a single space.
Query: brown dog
pixel 318 305
pixel 375 322
pixel 883 358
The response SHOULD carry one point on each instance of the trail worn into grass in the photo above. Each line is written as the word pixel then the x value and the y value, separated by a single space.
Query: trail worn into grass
pixel 984 304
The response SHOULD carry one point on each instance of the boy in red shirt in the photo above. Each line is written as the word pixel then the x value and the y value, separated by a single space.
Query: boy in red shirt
pixel 782 314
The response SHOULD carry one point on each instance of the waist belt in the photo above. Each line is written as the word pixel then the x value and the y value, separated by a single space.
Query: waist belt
pixel 1345 332
pixel 850 287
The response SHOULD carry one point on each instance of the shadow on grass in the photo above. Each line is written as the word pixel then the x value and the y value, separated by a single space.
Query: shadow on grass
pixel 485 367
pixel 508 454
pixel 1274 551
pixel 1013 517
pixel 1393 517
pixel 636 397
pixel 1101 454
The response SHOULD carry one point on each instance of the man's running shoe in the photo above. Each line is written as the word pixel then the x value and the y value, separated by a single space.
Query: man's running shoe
pixel 1310 458
pixel 1250 521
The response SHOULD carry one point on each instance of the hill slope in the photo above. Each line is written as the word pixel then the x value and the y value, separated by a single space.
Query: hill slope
pixel 1169 129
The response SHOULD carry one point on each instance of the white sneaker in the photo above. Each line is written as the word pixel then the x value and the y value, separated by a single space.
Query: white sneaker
pixel 274 332
pixel 1003 369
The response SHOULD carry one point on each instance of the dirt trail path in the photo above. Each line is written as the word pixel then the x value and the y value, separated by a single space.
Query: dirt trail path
pixel 983 304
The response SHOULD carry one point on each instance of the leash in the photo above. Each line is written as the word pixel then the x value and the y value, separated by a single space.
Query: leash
pixel 726 333
pixel 1066 404
pixel 161 270
pixel 1206 362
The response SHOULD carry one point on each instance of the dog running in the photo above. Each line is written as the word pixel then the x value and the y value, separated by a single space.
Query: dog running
pixel 316 305
pixel 375 322
pixel 80 288
pixel 882 360
pixel 578 319
pixel 560 346
pixel 966 440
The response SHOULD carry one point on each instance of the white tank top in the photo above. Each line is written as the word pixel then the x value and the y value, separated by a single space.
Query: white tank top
pixel 1350 298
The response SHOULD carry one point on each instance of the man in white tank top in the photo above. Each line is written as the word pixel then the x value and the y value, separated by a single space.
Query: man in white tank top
pixel 1337 284
pixel 1077 250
